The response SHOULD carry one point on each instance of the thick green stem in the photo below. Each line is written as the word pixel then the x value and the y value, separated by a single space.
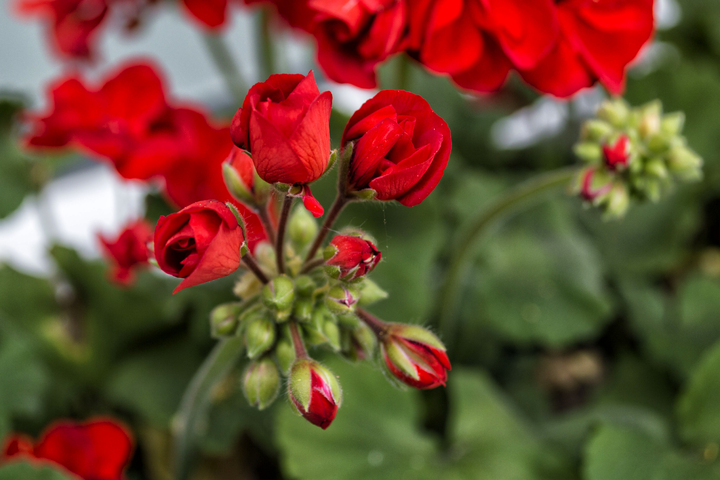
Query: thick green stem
pixel 223 59
pixel 509 203
pixel 196 401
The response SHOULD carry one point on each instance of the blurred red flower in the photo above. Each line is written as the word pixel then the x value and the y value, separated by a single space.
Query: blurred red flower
pixel 96 450
pixel 128 251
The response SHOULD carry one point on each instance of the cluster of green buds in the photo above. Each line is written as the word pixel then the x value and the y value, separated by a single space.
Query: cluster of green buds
pixel 632 154
pixel 318 302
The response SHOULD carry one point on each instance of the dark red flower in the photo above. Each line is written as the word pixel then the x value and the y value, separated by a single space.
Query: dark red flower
pixel 95 450
pixel 598 40
pixel 355 36
pixel 285 124
pixel 401 147
pixel 74 23
pixel 128 251
pixel 618 155
pixel 415 356
pixel 314 392
pixel 351 257
pixel 199 243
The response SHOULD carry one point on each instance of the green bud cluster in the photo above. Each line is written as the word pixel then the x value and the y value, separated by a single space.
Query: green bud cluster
pixel 632 154
pixel 320 307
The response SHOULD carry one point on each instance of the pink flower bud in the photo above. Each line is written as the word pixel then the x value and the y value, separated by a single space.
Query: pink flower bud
pixel 351 257
pixel 617 155
pixel 415 356
pixel 314 392
pixel 588 189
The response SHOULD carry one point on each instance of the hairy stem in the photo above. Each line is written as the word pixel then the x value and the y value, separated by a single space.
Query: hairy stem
pixel 337 207
pixel 509 203
pixel 254 267
pixel 221 56
pixel 280 240
pixel 312 265
pixel 375 324
pixel 300 351
pixel 267 224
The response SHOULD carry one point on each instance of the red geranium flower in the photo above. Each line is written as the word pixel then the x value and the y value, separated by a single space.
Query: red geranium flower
pixel 95 450
pixel 128 251
pixel 401 147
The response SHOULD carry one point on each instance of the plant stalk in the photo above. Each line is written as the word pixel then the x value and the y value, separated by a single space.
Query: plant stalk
pixel 223 59
pixel 282 226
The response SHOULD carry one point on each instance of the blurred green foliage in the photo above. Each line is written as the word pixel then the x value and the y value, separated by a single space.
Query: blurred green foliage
pixel 587 350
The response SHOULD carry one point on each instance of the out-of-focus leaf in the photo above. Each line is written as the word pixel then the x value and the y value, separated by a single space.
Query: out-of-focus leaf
pixel 620 452
pixel 152 382
pixel 540 282
pixel 700 303
pixel 699 407
pixel 375 436
pixel 26 471
pixel 24 299
pixel 661 326
pixel 15 170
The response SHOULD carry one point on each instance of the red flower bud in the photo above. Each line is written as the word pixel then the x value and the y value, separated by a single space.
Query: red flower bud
pixel 96 450
pixel 617 155
pixel 355 257
pixel 415 356
pixel 401 147
pixel 199 243
pixel 128 251
pixel 284 123
pixel 588 190
pixel 314 392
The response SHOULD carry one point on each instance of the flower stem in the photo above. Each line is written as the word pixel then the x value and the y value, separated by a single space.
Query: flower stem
pixel 223 59
pixel 312 265
pixel 509 203
pixel 375 324
pixel 280 240
pixel 337 207
pixel 266 43
pixel 300 351
pixel 254 267
pixel 267 224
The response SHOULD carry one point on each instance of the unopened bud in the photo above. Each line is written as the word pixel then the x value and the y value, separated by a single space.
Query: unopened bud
pixel 589 152
pixel 302 227
pixel 656 167
pixel 279 295
pixel 370 292
pixel 415 356
pixel 362 343
pixel 332 333
pixel 349 257
pixel 285 354
pixel 224 320
pixel 314 392
pixel 265 256
pixel 349 320
pixel 672 124
pixel 259 335
pixel 303 310
pixel 596 131
pixel 341 299
pixel 650 117
pixel 618 201
pixel 305 285
pixel 685 163
pixel 616 112
pixel 235 185
pixel 247 286
pixel 261 383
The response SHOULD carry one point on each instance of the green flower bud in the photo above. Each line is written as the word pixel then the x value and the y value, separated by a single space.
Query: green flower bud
pixel 247 285
pixel 685 163
pixel 616 112
pixel 305 286
pixel 285 353
pixel 265 256
pixel 370 292
pixel 302 227
pixel 224 320
pixel 596 131
pixel 259 335
pixel 341 299
pixel 279 294
pixel 672 124
pixel 303 310
pixel 235 184
pixel 618 201
pixel 332 333
pixel 349 320
pixel 261 383
pixel 656 167
pixel 359 343
pixel 588 152
pixel 650 118
pixel 314 334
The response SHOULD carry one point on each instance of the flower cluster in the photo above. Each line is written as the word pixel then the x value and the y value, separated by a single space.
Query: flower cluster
pixel 99 449
pixel 129 251
pixel 558 47
pixel 292 296
pixel 632 153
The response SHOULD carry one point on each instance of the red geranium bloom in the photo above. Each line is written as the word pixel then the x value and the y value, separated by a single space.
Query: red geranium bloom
pixel 401 147
pixel 128 251
pixel 353 257
pixel 199 243
pixel 598 40
pixel 355 36
pixel 96 450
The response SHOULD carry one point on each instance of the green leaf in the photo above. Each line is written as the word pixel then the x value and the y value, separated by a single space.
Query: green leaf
pixel 375 435
pixel 699 405
pixel 540 281
pixel 26 471
pixel 24 299
pixel 15 170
